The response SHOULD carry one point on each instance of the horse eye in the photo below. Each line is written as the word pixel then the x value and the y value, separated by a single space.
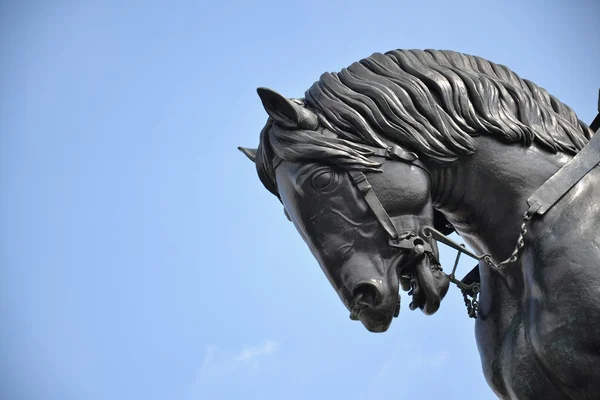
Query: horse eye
pixel 323 180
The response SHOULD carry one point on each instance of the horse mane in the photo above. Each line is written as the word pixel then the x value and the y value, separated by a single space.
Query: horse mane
pixel 432 102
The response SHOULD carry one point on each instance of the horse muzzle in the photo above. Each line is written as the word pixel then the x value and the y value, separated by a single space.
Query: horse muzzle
pixel 375 306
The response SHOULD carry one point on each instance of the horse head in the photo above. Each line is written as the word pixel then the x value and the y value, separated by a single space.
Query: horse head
pixel 365 248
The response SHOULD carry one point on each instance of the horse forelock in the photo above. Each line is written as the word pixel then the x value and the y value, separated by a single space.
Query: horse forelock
pixel 304 145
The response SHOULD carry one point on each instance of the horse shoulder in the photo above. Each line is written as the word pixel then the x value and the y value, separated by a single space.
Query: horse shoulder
pixel 561 307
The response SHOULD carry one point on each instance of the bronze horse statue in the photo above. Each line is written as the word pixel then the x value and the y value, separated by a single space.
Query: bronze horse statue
pixel 377 163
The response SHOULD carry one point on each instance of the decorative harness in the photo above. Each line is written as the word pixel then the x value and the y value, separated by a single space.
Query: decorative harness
pixel 539 203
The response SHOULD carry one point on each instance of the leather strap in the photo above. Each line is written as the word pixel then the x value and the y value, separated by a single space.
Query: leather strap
pixel 394 152
pixel 565 178
pixel 397 153
pixel 360 180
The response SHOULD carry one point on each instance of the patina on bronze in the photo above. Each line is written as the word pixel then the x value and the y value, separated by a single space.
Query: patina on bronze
pixel 379 162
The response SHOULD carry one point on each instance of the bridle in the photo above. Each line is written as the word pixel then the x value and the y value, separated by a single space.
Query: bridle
pixel 539 203
pixel 544 198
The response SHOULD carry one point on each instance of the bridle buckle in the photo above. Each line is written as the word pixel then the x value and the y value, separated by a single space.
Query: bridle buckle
pixel 414 243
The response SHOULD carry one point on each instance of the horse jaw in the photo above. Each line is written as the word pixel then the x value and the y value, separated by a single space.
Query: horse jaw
pixel 428 286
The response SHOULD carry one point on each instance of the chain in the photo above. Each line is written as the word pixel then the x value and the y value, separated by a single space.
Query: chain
pixel 472 305
pixel 473 289
pixel 520 244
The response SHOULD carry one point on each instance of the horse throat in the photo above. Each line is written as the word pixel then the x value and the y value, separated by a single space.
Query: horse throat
pixel 484 196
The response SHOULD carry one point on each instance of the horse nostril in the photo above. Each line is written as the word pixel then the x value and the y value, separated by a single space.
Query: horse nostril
pixel 367 294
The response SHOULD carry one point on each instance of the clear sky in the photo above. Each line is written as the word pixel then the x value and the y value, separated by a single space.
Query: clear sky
pixel 140 257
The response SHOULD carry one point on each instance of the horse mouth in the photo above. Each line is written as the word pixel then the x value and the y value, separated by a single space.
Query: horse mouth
pixel 426 283
pixel 376 304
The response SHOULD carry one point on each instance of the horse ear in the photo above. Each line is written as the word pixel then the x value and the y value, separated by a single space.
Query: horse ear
pixel 250 153
pixel 286 112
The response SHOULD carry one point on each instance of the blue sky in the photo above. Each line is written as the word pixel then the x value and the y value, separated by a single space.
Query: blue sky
pixel 140 257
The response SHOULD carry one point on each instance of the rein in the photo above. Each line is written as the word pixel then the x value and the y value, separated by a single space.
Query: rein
pixel 539 203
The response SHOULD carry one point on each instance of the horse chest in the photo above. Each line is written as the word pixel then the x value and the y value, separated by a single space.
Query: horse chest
pixel 547 345
pixel 511 365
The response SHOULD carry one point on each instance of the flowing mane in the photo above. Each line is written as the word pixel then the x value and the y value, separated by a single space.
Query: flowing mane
pixel 431 102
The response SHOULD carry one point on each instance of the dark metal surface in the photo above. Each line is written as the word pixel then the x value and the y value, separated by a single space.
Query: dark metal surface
pixel 595 125
pixel 378 163
pixel 562 181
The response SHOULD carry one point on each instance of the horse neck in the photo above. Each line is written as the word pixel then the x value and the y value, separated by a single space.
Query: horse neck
pixel 485 195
